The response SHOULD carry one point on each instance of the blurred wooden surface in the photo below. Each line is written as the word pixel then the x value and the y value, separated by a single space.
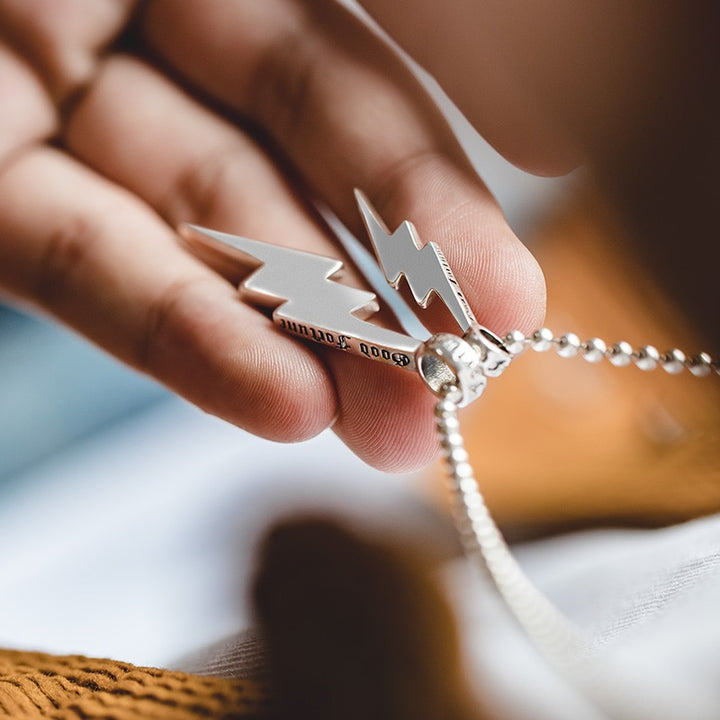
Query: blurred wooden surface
pixel 560 442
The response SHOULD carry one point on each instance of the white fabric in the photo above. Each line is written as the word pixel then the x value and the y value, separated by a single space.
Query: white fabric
pixel 137 543
pixel 134 545
pixel 647 600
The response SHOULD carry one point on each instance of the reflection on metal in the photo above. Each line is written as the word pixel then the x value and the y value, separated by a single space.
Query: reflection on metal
pixel 307 300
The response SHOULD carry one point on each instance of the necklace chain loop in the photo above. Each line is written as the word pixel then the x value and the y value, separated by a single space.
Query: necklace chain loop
pixel 595 350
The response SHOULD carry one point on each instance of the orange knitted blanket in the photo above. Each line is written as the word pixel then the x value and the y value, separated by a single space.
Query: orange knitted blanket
pixel 36 685
pixel 352 627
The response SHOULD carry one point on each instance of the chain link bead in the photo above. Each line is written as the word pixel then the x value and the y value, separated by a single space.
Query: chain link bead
pixel 457 455
pixel 673 361
pixel 646 357
pixel 541 340
pixel 567 345
pixel 700 365
pixel 594 350
pixel 445 407
pixel 515 342
pixel 620 354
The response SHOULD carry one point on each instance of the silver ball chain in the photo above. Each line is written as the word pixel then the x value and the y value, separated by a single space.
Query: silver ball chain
pixel 554 634
pixel 595 350
pixel 482 539
pixel 478 532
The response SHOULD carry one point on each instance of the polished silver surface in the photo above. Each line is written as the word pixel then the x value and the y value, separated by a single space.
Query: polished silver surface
pixel 673 361
pixel 302 290
pixel 646 357
pixel 366 263
pixel 424 267
pixel 594 350
pixel 620 354
pixel 450 365
pixel 308 302
pixel 568 345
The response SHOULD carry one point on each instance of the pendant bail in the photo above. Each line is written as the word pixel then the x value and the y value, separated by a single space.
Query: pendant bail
pixel 458 367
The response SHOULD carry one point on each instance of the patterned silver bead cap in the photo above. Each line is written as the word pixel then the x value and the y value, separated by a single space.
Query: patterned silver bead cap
pixel 494 356
pixel 451 368
pixel 457 368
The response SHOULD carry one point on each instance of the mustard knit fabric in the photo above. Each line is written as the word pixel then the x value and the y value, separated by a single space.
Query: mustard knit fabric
pixel 36 685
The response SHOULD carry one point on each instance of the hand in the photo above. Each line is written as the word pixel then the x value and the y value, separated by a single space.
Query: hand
pixel 122 120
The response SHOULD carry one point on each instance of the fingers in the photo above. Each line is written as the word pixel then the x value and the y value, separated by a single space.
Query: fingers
pixel 477 50
pixel 193 166
pixel 27 114
pixel 386 414
pixel 102 261
pixel 186 162
pixel 348 113
pixel 62 38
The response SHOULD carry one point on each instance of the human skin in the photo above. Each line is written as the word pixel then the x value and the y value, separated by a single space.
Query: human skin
pixel 197 115
pixel 549 84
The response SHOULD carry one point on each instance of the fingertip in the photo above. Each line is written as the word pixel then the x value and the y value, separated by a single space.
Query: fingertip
pixel 519 298
pixel 294 393
pixel 231 361
pixel 386 416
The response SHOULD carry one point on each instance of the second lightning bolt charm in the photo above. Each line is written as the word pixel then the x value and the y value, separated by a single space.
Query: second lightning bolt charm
pixel 308 301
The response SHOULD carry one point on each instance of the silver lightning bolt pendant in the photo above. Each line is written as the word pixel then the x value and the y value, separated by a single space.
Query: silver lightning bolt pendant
pixel 307 301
